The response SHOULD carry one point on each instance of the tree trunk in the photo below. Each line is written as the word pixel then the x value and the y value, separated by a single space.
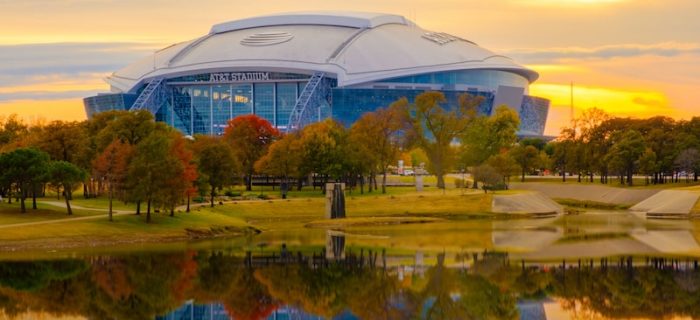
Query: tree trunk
pixel 211 196
pixel 172 211
pixel 249 182
pixel 148 211
pixel 188 202
pixel 111 196
pixel 440 181
pixel 384 182
pixel 563 174
pixel 138 207
pixel 522 178
pixel 21 202
pixel 34 196
pixel 362 184
pixel 70 212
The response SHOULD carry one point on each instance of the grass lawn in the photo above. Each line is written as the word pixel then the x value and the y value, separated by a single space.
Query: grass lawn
pixel 238 216
pixel 126 228
pixel 10 213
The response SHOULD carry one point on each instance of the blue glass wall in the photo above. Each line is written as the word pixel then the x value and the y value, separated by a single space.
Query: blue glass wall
pixel 350 104
pixel 198 106
pixel 286 99
pixel 264 100
pixel 487 79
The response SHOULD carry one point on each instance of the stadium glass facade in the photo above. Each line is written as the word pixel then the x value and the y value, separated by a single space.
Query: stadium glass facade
pixel 198 105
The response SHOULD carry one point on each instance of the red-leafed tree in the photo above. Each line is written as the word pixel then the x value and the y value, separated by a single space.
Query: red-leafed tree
pixel 249 137
pixel 112 166
pixel 182 185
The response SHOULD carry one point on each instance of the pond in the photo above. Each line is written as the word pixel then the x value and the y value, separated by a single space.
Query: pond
pixel 593 265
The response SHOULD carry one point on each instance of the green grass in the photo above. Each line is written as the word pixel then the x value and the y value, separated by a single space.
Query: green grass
pixel 10 213
pixel 588 204
pixel 126 228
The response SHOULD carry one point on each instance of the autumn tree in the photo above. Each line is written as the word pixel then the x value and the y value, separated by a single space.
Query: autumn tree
pixel 112 165
pixel 153 168
pixel 183 173
pixel 435 128
pixel 67 176
pixel 505 165
pixel 23 168
pixel 216 163
pixel 283 158
pixel 249 137
pixel 526 157
pixel 323 149
pixel 11 129
pixel 381 135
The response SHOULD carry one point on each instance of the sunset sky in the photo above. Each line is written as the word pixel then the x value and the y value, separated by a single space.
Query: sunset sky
pixel 629 57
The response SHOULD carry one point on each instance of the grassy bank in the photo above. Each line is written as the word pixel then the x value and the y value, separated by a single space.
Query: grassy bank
pixel 230 219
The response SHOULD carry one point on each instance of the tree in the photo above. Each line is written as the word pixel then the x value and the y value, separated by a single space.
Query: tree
pixel 216 163
pixel 381 135
pixel 504 165
pixel 323 149
pixel 488 176
pixel 249 137
pixel 153 168
pixel 647 164
pixel 66 175
pixel 112 166
pixel 435 129
pixel 526 157
pixel 688 161
pixel 488 136
pixel 625 153
pixel 11 130
pixel 23 168
pixel 282 159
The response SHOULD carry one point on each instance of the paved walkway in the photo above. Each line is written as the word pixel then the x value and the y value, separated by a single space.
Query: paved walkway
pixel 590 192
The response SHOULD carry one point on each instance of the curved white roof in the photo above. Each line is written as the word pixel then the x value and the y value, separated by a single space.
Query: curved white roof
pixel 355 47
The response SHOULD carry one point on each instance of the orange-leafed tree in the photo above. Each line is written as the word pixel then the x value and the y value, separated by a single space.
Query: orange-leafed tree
pixel 249 137
pixel 112 166
pixel 181 185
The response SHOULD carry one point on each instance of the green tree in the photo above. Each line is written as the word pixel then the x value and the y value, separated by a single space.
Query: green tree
pixel 488 176
pixel 526 157
pixel 647 164
pixel 24 168
pixel 215 162
pixel 505 166
pixel 625 153
pixel 67 176
pixel 323 149
pixel 435 128
pixel 153 168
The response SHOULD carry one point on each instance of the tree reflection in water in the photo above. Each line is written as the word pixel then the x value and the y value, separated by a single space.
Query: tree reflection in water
pixel 167 286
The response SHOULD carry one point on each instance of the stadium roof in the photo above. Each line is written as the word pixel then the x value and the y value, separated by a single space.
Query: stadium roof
pixel 355 47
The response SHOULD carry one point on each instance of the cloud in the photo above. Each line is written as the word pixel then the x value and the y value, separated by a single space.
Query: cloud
pixel 24 64
pixel 549 55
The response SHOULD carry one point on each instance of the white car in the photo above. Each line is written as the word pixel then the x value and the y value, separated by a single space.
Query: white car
pixel 408 172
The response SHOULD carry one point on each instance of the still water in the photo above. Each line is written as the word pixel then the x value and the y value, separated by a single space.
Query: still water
pixel 597 265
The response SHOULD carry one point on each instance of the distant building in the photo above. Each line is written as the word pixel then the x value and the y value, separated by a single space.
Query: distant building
pixel 294 69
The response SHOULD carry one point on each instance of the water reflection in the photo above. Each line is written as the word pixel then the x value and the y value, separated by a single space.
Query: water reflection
pixel 220 285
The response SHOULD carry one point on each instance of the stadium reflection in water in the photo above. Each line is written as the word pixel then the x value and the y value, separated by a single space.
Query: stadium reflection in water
pixel 344 283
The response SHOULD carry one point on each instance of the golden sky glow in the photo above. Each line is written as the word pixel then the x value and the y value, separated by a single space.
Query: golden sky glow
pixel 634 58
